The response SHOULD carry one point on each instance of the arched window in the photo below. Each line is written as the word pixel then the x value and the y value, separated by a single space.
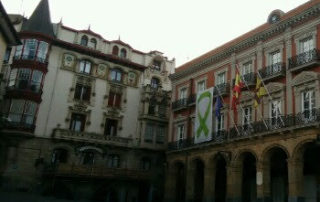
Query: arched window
pixel 123 53
pixel 115 50
pixel 93 43
pixel 84 40
pixel 145 164
pixel 114 161
pixel 85 66
pixel 88 157
pixel 155 82
pixel 116 75
pixel 59 156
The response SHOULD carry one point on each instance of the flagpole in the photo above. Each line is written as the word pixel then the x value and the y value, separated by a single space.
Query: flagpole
pixel 268 93
pixel 249 89
pixel 221 98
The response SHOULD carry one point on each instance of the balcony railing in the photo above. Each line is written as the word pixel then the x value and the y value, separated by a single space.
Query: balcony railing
pixel 94 171
pixel 31 58
pixel 180 104
pixel 308 118
pixel 304 60
pixel 222 89
pixel 192 99
pixel 273 71
pixel 66 134
pixel 249 80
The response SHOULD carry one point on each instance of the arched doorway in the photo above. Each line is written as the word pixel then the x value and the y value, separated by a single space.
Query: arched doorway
pixel 278 175
pixel 249 185
pixel 180 182
pixel 198 180
pixel 311 172
pixel 220 179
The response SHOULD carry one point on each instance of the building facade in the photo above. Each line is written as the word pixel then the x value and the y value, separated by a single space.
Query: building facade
pixel 265 153
pixel 85 117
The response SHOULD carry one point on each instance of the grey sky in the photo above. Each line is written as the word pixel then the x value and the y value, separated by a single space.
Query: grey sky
pixel 183 29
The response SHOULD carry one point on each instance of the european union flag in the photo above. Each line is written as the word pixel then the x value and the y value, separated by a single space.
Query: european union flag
pixel 218 107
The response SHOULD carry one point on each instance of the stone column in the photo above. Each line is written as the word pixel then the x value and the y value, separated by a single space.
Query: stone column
pixel 295 179
pixel 234 183
pixel 209 183
pixel 190 183
pixel 170 185
pixel 263 182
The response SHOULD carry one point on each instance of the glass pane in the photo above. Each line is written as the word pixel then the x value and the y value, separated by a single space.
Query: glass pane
pixel 13 76
pixel 30 49
pixel 36 80
pixel 42 51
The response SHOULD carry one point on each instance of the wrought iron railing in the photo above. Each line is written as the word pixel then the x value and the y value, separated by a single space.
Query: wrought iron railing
pixel 249 79
pixel 304 58
pixel 192 99
pixel 274 70
pixel 221 89
pixel 180 103
pixel 307 118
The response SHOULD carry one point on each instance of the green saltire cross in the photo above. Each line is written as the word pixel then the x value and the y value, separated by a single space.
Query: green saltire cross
pixel 202 120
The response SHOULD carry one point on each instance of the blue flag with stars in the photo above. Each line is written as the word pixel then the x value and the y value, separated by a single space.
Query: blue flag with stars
pixel 218 107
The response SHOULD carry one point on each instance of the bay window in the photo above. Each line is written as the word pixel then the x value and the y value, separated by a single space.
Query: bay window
pixel 22 111
pixel 25 79
pixel 32 49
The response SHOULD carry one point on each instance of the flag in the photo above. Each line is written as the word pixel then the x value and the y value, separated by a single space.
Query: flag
pixel 236 90
pixel 259 92
pixel 218 107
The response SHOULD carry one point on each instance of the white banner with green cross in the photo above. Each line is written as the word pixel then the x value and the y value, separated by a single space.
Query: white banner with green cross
pixel 203 124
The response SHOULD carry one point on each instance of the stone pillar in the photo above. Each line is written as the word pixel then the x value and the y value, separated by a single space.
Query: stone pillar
pixel 288 48
pixel 295 179
pixel 190 183
pixel 263 182
pixel 170 185
pixel 209 183
pixel 234 183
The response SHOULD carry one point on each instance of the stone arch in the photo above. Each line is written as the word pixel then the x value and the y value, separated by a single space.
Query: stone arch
pixel 239 155
pixel 174 163
pixel 299 149
pixel 266 152
pixel 197 158
pixel 226 156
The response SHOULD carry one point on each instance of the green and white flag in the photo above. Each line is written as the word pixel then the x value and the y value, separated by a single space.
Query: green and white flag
pixel 203 124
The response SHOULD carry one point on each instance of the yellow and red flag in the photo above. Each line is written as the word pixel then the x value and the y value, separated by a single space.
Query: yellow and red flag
pixel 259 92
pixel 236 92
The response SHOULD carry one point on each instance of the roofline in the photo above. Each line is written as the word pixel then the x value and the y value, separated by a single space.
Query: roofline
pixel 248 39
pixel 12 31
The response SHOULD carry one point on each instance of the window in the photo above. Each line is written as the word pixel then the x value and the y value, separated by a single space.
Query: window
pixel 77 122
pixel 162 108
pixel 93 43
pixel 246 68
pixel 116 75
pixel 152 106
pixel 155 83
pixel 114 161
pixel 23 78
pixel 306 45
pixel 180 132
pixel 111 127
pixel 36 81
pixel 88 158
pixel 274 57
pixel 123 53
pixel 221 78
pixel 275 112
pixel 13 77
pixel 115 50
pixel 32 49
pixel 308 104
pixel 183 93
pixel 145 164
pixel 246 117
pixel 22 111
pixel 82 92
pixel 220 123
pixel 85 66
pixel 7 55
pixel 160 134
pixel 84 41
pixel 59 156
pixel 114 99
pixel 42 51
pixel 148 136
pixel 156 65
pixel 201 86
pixel 19 50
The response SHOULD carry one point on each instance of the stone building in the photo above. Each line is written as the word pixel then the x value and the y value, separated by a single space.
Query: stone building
pixel 85 117
pixel 265 153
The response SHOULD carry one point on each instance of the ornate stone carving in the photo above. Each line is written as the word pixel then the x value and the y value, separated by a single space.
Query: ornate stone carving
pixel 305 77
pixel 274 87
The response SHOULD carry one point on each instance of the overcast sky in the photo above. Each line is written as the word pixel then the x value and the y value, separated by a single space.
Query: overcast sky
pixel 181 29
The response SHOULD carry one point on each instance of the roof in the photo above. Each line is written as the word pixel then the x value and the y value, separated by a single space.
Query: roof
pixel 245 36
pixel 7 28
pixel 40 20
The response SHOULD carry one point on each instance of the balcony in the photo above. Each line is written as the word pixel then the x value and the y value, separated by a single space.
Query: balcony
pixel 67 134
pixel 248 80
pixel 277 125
pixel 192 99
pixel 273 71
pixel 180 104
pixel 221 89
pixel 95 171
pixel 304 60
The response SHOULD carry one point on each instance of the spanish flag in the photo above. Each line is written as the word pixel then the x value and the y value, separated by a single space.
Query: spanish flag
pixel 236 90
pixel 259 92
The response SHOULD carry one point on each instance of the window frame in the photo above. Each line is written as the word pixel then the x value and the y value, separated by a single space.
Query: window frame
pixel 84 65
pixel 74 121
